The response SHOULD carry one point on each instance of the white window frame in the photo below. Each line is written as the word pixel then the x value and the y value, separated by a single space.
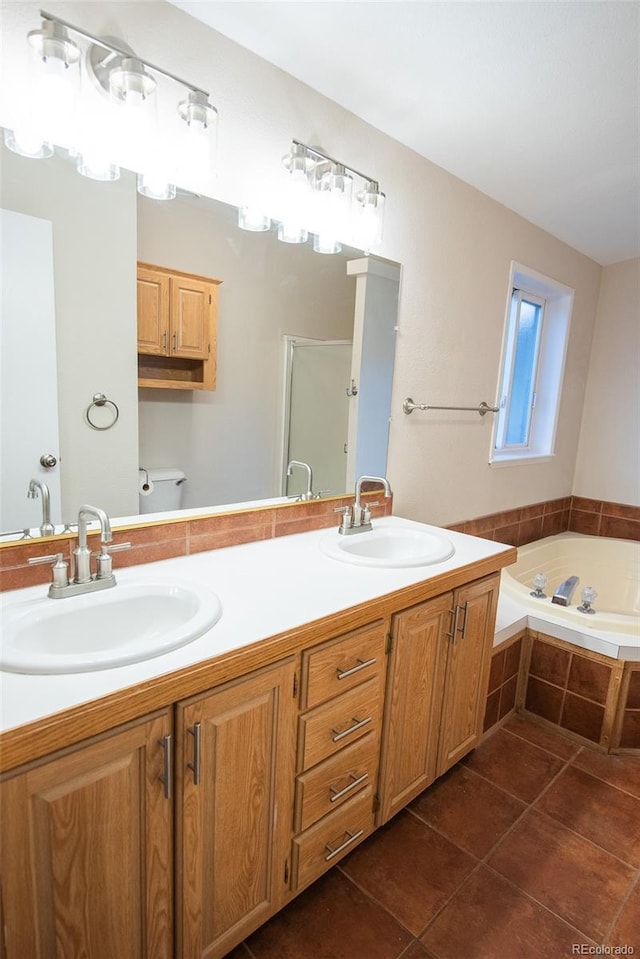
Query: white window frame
pixel 550 360
pixel 506 390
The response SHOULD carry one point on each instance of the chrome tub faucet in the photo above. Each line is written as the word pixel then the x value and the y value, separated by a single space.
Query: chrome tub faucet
pixel 564 592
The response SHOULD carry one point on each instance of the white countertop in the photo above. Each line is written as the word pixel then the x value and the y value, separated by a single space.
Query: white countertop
pixel 266 588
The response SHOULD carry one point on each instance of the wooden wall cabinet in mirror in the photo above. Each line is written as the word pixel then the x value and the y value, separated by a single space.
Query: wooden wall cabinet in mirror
pixel 177 324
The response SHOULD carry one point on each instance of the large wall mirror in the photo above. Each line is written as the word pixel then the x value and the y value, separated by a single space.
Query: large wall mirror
pixel 293 326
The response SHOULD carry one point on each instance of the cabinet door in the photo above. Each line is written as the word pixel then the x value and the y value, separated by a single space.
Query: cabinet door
pixel 414 698
pixel 468 663
pixel 86 850
pixel 235 766
pixel 153 312
pixel 192 316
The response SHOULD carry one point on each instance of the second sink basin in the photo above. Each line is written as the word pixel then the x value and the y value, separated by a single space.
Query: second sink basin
pixel 126 624
pixel 388 547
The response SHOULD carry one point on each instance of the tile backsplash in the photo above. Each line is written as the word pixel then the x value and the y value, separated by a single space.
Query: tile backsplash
pixel 157 541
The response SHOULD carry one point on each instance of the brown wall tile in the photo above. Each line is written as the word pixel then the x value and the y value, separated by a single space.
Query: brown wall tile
pixel 550 663
pixel 582 717
pixel 544 700
pixel 252 519
pixel 557 505
pixel 497 670
pixel 584 503
pixel 619 528
pixel 622 510
pixel 531 512
pixel 492 710
pixel 507 534
pixel 589 679
pixel 483 524
pixel 630 738
pixel 582 522
pixel 529 530
pixel 228 537
pixel 512 656
pixel 508 696
pixel 553 523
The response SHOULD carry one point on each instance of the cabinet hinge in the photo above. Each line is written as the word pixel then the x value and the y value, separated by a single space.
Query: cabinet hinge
pixel 295 685
pixel 388 646
pixel 286 871
pixel 209 347
pixel 376 803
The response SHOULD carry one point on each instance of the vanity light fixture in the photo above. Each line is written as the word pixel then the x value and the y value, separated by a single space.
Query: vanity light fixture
pixel 117 122
pixel 252 219
pixel 334 201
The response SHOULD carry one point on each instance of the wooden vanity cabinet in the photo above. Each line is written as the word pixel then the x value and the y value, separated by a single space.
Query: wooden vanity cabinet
pixel 177 329
pixel 234 794
pixel 87 865
pixel 342 700
pixel 436 689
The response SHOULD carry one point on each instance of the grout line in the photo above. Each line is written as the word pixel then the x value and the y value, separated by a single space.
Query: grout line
pixel 635 884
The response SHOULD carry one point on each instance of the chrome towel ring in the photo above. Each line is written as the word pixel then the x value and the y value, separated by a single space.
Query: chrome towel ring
pixel 100 400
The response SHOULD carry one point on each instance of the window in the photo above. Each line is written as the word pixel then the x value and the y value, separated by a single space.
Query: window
pixel 534 350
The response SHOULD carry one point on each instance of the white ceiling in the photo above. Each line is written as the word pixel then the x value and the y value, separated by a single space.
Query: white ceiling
pixel 535 103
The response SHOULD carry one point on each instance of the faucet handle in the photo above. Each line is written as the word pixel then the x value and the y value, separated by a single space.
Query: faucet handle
pixel 115 548
pixel 347 517
pixel 103 559
pixel 60 568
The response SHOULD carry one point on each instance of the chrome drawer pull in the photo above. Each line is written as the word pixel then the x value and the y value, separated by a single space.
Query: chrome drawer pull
pixel 456 614
pixel 195 765
pixel 336 852
pixel 356 781
pixel 165 779
pixel 357 724
pixel 362 664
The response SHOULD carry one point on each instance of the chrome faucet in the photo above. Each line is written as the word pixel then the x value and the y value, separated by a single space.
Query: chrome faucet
pixel 308 494
pixel 564 592
pixel 47 528
pixel 358 518
pixel 82 552
pixel 84 581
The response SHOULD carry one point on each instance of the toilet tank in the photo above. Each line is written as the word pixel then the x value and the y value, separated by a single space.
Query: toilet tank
pixel 160 489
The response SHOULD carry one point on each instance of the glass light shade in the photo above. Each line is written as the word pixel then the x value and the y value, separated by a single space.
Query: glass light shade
pixel 27 143
pixel 249 218
pixel 325 244
pixel 199 146
pixel 96 166
pixel 130 82
pixel 292 233
pixel 370 217
pixel 155 186
pixel 55 83
pixel 298 161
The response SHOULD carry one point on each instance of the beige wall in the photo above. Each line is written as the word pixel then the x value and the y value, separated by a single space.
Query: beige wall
pixel 608 464
pixel 455 244
pixel 227 442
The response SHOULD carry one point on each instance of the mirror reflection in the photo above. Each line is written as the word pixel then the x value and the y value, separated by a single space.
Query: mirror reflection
pixel 293 341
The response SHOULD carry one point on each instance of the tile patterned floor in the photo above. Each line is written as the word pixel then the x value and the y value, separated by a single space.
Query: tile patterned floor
pixel 527 849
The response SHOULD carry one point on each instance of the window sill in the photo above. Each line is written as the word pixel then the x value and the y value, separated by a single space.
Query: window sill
pixel 519 459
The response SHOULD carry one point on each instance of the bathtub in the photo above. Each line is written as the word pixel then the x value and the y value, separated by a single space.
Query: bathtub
pixel 611 566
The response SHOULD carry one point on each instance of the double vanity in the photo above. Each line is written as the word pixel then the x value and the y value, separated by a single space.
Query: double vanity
pixel 235 722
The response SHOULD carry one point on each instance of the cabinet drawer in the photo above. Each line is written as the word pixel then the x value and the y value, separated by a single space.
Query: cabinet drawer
pixel 331 783
pixel 340 664
pixel 328 728
pixel 332 838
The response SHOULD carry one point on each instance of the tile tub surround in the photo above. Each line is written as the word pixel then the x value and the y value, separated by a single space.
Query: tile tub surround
pixel 576 514
pixel 446 878
pixel 183 536
pixel 594 698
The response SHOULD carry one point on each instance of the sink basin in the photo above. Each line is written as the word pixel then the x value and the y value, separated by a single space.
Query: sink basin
pixel 388 547
pixel 126 624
